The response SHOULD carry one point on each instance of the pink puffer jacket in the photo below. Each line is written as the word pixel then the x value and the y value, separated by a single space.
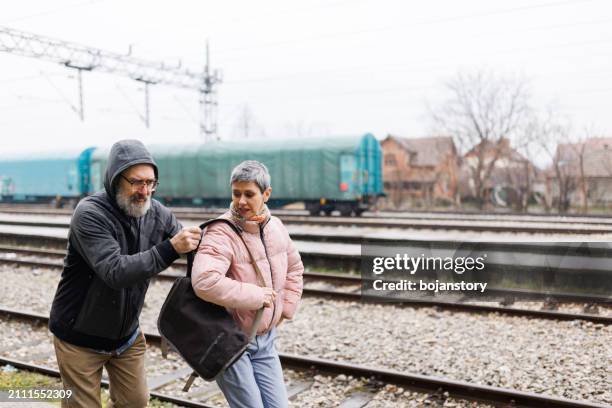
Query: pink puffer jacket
pixel 222 271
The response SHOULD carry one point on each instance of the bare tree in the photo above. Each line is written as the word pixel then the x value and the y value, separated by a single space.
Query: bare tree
pixel 550 134
pixel 519 175
pixel 483 109
pixel 247 125
pixel 589 156
pixel 580 152
pixel 523 172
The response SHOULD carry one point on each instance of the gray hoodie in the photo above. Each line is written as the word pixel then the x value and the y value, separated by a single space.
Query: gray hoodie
pixel 111 258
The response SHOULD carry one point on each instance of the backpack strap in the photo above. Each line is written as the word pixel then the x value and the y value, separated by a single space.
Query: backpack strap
pixel 191 255
pixel 190 381
pixel 165 346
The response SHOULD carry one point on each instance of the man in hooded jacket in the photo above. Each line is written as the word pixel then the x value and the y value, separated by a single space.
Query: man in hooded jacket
pixel 119 238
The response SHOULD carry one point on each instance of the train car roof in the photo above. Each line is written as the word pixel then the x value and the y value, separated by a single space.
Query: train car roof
pixel 333 143
pixel 64 154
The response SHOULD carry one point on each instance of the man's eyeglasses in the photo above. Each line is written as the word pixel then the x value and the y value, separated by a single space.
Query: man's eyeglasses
pixel 138 184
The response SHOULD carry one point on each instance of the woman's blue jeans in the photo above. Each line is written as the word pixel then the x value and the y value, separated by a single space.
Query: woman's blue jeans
pixel 255 380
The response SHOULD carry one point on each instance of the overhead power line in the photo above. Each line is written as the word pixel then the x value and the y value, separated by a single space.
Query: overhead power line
pixel 403 25
pixel 84 58
pixel 50 11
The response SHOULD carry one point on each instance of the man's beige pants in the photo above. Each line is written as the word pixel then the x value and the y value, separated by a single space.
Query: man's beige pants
pixel 81 372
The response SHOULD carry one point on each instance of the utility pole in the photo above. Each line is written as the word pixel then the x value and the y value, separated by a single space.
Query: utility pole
pixel 208 101
pixel 80 70
pixel 83 58
pixel 147 115
pixel 246 118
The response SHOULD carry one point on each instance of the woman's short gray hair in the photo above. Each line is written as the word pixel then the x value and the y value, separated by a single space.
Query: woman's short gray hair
pixel 252 170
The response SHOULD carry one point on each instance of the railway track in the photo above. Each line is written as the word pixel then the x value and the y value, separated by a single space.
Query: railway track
pixel 421 383
pixel 340 257
pixel 354 293
pixel 594 219
pixel 582 265
pixel 412 223
pixel 52 372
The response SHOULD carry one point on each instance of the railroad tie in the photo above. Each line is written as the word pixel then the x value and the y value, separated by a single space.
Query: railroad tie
pixel 356 400
pixel 159 381
pixel 297 387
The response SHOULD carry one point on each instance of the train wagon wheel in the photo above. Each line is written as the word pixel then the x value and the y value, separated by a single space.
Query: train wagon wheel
pixel 346 212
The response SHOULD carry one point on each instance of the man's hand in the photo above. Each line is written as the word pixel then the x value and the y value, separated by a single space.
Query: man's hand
pixel 186 240
pixel 269 296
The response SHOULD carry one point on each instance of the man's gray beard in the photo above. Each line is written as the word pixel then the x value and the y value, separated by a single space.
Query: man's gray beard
pixel 130 208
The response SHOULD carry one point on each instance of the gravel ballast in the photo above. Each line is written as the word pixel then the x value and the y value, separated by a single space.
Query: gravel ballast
pixel 571 359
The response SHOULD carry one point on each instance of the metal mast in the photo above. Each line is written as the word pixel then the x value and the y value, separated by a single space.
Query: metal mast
pixel 85 58
pixel 208 101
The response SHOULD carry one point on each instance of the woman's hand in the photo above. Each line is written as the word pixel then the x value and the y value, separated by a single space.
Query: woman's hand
pixel 269 296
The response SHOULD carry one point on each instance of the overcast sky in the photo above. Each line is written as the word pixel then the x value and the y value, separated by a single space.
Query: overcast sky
pixel 300 68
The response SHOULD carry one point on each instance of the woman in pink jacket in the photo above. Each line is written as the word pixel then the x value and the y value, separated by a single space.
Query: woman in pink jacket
pixel 223 274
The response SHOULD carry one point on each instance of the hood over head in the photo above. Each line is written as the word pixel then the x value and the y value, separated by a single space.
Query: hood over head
pixel 124 154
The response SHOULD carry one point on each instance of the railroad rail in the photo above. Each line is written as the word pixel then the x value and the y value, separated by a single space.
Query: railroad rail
pixel 357 296
pixel 577 265
pixel 417 382
pixel 51 372
pixel 412 223
pixel 395 237
pixel 412 214
pixel 315 257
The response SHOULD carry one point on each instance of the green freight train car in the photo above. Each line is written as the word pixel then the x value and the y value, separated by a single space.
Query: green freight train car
pixel 340 173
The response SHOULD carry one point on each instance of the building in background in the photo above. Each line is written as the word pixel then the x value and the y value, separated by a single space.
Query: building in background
pixel 581 174
pixel 508 178
pixel 419 172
